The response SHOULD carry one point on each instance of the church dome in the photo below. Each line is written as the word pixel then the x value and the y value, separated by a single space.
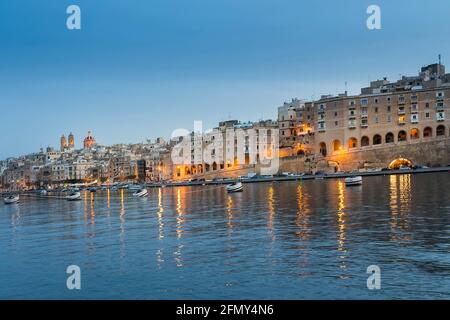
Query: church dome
pixel 89 141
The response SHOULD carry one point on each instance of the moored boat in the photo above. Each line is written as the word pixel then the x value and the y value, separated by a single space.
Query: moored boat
pixel 141 193
pixel 11 199
pixel 353 181
pixel 74 196
pixel 235 187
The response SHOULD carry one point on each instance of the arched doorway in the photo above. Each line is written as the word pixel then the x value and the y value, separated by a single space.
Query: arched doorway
pixel 427 132
pixel 337 145
pixel 365 141
pixel 414 133
pixel 402 135
pixel 440 130
pixel 376 139
pixel 400 162
pixel 352 143
pixel 389 137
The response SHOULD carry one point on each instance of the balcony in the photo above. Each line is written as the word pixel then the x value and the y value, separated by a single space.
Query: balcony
pixel 414 119
pixel 364 124
pixel 401 111
pixel 440 116
pixel 321 110
pixel 352 124
pixel 440 106
pixel 440 97
pixel 414 108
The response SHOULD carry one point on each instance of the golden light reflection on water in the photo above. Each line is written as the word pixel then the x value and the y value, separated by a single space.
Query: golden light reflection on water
pixel 108 198
pixel 92 208
pixel 179 230
pixel 341 215
pixel 230 214
pixel 302 220
pixel 400 205
pixel 271 208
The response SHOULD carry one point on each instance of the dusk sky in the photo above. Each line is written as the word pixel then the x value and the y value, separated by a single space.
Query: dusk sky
pixel 139 69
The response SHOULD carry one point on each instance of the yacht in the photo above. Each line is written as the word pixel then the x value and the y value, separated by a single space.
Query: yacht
pixel 141 193
pixel 235 187
pixel 11 199
pixel 74 196
pixel 353 181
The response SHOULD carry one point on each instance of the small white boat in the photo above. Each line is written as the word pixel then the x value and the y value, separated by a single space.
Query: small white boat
pixel 74 196
pixel 141 193
pixel 353 181
pixel 235 187
pixel 11 199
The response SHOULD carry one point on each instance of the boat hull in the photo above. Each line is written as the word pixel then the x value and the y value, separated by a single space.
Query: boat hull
pixel 232 188
pixel 11 200
pixel 353 181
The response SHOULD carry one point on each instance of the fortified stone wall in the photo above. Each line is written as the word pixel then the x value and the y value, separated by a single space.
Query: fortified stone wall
pixel 436 152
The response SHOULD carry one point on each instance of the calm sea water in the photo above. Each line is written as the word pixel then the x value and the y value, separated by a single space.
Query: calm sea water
pixel 287 240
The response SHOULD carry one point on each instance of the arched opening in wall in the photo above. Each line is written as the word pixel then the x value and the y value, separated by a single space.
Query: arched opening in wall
pixel 187 171
pixel 400 162
pixel 389 137
pixel 337 145
pixel 207 167
pixel 376 139
pixel 440 130
pixel 200 168
pixel 323 149
pixel 427 132
pixel 214 166
pixel 414 133
pixel 402 135
pixel 352 143
pixel 301 152
pixel 194 170
pixel 365 141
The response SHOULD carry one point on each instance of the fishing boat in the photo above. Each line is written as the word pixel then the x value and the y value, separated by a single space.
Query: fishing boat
pixel 141 193
pixel 11 199
pixel 74 196
pixel 353 181
pixel 235 187
pixel 93 189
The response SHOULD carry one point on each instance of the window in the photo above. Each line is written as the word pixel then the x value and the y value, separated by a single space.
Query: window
pixel 389 118
pixel 364 102
pixel 427 105
pixel 336 123
pixel 376 109
pixel 427 115
pixel 376 119
pixel 376 100
pixel 335 114
pixel 388 108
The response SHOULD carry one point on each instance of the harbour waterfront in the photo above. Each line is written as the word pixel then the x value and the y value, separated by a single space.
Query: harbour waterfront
pixel 276 240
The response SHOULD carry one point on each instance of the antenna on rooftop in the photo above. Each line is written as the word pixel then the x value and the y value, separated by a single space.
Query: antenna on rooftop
pixel 439 59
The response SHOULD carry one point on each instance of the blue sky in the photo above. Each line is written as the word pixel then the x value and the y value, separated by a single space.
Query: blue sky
pixel 140 68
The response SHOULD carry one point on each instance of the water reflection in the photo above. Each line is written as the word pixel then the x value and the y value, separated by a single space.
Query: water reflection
pixel 179 231
pixel 122 223
pixel 342 227
pixel 400 206
pixel 230 214
pixel 160 251
pixel 303 212
pixel 271 208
